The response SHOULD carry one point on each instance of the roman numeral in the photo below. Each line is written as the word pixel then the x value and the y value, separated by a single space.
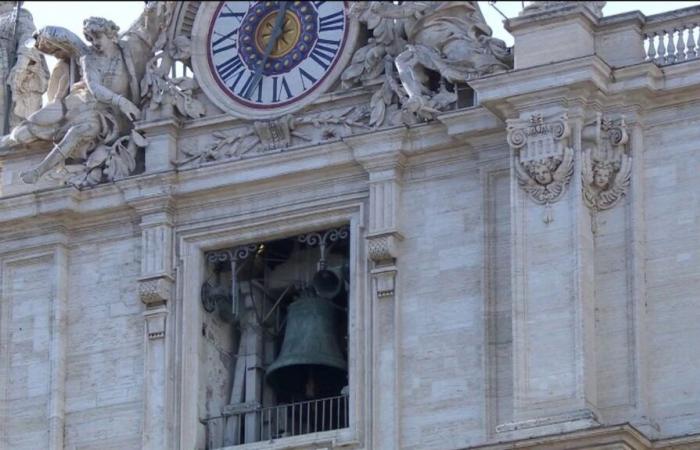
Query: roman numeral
pixel 233 85
pixel 230 67
pixel 277 91
pixel 224 48
pixel 246 85
pixel 304 74
pixel 332 22
pixel 232 13
pixel 324 52
pixel 224 37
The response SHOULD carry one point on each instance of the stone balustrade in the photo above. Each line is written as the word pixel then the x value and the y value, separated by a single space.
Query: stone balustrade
pixel 673 37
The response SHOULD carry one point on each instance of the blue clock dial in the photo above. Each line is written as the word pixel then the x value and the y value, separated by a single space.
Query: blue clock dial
pixel 268 55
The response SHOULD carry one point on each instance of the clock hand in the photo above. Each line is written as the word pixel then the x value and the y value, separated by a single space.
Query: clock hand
pixel 274 36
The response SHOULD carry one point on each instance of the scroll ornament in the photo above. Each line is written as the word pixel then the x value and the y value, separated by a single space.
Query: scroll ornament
pixel 543 161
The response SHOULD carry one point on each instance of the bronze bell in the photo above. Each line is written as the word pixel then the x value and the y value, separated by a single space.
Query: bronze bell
pixel 310 363
pixel 328 283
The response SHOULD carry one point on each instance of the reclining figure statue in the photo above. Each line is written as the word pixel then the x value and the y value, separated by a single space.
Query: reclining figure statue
pixel 101 106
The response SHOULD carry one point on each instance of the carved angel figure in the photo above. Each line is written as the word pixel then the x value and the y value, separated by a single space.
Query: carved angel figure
pixel 605 182
pixel 451 38
pixel 27 78
pixel 545 180
pixel 90 117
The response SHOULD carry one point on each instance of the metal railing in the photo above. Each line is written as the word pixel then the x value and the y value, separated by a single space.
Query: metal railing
pixel 280 421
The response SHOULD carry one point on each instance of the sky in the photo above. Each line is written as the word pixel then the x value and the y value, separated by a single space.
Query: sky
pixel 71 14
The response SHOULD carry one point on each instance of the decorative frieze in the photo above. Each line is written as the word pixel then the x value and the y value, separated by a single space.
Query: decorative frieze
pixel 543 158
pixel 606 166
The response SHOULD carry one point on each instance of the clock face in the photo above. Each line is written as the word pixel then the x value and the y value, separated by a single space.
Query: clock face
pixel 268 58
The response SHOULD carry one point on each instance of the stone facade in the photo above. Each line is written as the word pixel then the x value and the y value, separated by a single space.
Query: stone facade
pixel 523 271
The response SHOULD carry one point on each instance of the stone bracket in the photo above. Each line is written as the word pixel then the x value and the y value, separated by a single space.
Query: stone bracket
pixel 385 281
pixel 383 247
pixel 155 322
pixel 155 290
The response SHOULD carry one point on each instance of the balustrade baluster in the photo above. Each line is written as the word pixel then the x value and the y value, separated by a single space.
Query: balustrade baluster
pixel 670 47
pixel 651 49
pixel 661 50
pixel 691 42
pixel 680 46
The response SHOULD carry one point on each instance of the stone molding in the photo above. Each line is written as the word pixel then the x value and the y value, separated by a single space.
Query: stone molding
pixel 546 8
pixel 618 437
pixel 583 418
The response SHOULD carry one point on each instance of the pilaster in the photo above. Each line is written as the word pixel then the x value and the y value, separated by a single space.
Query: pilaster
pixel 57 402
pixel 156 291
pixel 553 282
pixel 384 165
pixel 642 411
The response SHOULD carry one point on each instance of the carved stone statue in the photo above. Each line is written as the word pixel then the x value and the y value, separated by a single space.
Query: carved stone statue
pixel 450 38
pixel 543 160
pixel 28 76
pixel 94 102
pixel 606 168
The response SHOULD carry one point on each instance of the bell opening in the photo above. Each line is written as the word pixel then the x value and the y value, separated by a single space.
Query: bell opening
pixel 275 338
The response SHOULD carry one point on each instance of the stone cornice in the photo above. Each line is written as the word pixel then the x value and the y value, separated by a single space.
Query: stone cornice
pixel 631 18
pixel 369 150
pixel 169 125
pixel 561 14
pixel 587 70
pixel 379 151
pixel 466 124
pixel 633 83
pixel 623 437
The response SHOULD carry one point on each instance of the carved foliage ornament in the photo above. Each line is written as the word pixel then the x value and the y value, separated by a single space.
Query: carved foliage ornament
pixel 272 136
pixel 544 162
pixel 606 168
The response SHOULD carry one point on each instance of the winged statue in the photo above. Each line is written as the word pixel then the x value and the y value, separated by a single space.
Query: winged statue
pixel 449 38
pixel 93 96
pixel 605 182
pixel 545 180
